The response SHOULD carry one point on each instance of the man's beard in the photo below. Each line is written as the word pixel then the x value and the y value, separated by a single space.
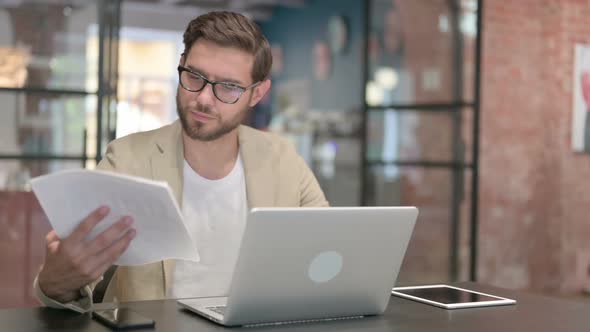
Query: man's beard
pixel 196 132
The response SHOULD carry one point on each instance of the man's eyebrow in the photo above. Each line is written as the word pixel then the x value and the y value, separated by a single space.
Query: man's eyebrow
pixel 196 70
pixel 230 80
pixel 221 80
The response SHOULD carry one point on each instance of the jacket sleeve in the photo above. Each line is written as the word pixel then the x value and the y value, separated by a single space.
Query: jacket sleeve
pixel 311 195
pixel 84 303
pixel 81 305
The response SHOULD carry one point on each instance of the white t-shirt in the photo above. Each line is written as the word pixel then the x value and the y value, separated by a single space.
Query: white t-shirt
pixel 215 215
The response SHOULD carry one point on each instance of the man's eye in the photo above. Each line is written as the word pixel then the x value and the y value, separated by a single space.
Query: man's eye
pixel 194 77
pixel 229 87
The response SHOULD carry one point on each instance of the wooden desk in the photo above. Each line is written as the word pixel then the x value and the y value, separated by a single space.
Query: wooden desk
pixel 531 313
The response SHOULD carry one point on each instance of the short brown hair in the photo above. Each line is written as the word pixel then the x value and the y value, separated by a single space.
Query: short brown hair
pixel 229 29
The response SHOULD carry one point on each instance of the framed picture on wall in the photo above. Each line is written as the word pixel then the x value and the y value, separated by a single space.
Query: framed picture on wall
pixel 581 99
pixel 322 60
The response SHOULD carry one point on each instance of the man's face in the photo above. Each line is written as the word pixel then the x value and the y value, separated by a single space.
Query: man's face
pixel 203 116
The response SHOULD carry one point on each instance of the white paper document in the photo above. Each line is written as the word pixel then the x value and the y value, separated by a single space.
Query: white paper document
pixel 69 196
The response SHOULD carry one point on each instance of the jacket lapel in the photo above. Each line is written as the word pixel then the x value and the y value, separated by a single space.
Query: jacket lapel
pixel 167 163
pixel 168 160
pixel 261 178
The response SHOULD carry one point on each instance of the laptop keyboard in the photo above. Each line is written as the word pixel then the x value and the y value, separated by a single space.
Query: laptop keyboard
pixel 219 309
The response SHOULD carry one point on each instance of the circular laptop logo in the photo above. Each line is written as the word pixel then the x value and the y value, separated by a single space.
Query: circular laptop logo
pixel 325 266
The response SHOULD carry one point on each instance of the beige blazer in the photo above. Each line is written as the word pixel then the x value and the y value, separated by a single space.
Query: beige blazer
pixel 276 176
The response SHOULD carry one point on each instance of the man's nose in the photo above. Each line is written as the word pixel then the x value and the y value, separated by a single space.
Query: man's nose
pixel 206 96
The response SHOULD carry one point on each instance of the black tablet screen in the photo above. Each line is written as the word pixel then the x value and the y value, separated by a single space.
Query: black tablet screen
pixel 447 295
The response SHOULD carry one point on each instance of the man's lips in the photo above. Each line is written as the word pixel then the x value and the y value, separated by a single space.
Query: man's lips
pixel 201 117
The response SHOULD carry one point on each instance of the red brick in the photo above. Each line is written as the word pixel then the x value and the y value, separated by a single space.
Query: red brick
pixel 533 198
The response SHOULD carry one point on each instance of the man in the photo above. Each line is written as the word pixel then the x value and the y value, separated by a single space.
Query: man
pixel 216 168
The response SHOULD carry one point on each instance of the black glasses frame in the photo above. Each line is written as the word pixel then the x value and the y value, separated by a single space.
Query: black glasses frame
pixel 214 84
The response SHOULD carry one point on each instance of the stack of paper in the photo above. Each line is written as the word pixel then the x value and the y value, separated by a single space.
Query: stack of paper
pixel 69 196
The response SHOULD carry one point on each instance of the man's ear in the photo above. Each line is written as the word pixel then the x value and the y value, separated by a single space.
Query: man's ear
pixel 182 59
pixel 259 92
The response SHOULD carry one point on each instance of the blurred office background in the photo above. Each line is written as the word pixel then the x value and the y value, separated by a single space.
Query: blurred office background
pixel 459 107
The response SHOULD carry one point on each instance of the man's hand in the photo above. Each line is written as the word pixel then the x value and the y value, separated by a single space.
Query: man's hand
pixel 74 262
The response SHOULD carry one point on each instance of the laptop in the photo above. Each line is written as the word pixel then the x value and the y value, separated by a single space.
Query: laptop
pixel 307 264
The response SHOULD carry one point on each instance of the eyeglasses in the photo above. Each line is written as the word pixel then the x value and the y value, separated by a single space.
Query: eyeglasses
pixel 228 93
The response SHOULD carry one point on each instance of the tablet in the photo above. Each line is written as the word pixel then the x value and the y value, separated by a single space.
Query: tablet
pixel 450 297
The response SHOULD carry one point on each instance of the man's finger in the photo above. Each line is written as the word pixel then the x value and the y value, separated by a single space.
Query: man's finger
pixel 109 236
pixel 107 257
pixel 52 247
pixel 51 237
pixel 86 226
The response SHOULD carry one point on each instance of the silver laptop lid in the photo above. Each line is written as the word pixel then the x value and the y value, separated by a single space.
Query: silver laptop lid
pixel 310 263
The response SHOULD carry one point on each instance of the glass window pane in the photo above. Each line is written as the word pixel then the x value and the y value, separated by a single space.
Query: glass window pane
pixel 468 25
pixel 336 165
pixel 15 174
pixel 419 136
pixel 464 232
pixel 150 44
pixel 48 44
pixel 428 259
pixel 412 62
pixel 47 124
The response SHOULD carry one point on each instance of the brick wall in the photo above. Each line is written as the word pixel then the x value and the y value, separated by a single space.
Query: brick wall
pixel 534 190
